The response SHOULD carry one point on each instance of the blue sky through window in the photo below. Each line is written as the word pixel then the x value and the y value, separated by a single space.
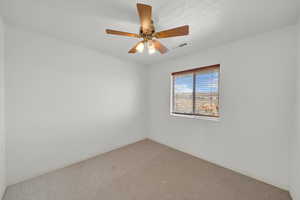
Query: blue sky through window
pixel 205 83
pixel 184 84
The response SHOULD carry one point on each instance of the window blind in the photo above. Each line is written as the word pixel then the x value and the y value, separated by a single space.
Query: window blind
pixel 196 91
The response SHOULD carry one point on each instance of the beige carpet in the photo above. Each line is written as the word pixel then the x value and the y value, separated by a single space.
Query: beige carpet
pixel 144 171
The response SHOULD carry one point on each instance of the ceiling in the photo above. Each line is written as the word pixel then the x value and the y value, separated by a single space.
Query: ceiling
pixel 212 22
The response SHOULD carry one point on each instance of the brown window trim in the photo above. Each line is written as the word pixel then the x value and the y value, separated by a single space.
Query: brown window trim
pixel 196 69
pixel 193 71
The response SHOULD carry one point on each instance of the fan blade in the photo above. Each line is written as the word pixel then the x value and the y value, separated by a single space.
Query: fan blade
pixel 160 47
pixel 145 13
pixel 114 32
pixel 133 49
pixel 179 31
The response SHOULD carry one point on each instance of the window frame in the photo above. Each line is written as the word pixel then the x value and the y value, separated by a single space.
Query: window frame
pixel 194 72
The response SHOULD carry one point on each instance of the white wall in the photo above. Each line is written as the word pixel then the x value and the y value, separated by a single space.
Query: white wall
pixel 66 103
pixel 63 105
pixel 2 128
pixel 295 140
pixel 257 105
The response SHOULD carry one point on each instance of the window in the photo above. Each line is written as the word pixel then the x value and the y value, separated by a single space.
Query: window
pixel 195 92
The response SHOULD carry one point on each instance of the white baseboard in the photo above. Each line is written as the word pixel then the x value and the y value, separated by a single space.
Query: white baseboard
pixel 293 194
pixel 261 179
pixel 90 156
pixel 3 193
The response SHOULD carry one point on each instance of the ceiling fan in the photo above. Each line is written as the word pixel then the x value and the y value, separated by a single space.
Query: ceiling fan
pixel 148 33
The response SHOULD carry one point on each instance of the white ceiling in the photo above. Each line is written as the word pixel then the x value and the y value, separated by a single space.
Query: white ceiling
pixel 212 22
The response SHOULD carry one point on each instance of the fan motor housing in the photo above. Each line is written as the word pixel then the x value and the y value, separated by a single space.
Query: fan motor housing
pixel 149 32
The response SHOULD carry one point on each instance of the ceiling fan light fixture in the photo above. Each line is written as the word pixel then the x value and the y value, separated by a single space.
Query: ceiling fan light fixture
pixel 151 47
pixel 140 47
pixel 151 51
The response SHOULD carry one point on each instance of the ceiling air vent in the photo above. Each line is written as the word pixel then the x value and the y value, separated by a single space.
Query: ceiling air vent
pixel 182 45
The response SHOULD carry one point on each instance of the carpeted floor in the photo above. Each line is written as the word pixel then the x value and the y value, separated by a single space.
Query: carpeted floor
pixel 144 171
